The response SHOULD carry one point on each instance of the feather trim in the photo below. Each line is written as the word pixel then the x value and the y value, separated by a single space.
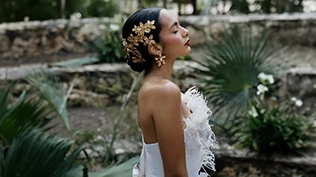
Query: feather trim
pixel 198 131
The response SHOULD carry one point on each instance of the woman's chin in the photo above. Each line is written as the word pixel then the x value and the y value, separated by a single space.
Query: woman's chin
pixel 189 50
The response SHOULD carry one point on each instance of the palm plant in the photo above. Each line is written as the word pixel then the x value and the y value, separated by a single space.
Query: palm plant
pixel 51 93
pixel 16 117
pixel 35 107
pixel 34 153
pixel 24 147
pixel 230 71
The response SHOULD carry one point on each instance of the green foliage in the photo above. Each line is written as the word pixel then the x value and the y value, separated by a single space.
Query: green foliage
pixel 25 112
pixel 110 48
pixel 146 3
pixel 17 10
pixel 33 153
pixel 186 58
pixel 268 6
pixel 26 149
pixel 50 90
pixel 99 8
pixel 274 127
pixel 240 6
pixel 272 6
pixel 230 71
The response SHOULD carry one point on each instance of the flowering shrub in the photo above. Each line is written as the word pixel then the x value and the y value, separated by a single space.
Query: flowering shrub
pixel 109 48
pixel 274 128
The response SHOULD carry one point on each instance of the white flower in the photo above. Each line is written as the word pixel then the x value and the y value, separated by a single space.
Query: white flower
pixel 75 16
pixel 298 103
pixel 293 99
pixel 261 89
pixel 270 79
pixel 114 27
pixel 266 77
pixel 261 76
pixel 253 112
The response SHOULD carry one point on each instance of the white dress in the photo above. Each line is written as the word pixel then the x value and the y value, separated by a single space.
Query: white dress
pixel 199 139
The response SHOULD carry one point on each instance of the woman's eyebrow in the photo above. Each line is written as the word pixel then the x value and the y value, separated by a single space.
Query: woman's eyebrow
pixel 173 24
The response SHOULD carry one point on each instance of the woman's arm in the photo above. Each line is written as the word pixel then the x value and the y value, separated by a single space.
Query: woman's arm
pixel 170 129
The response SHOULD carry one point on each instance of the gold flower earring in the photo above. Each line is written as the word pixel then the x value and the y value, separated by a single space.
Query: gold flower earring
pixel 160 60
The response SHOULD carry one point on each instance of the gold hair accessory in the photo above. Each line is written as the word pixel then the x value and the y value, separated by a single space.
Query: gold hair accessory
pixel 160 60
pixel 133 41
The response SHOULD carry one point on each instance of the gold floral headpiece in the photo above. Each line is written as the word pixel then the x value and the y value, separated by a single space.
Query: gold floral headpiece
pixel 133 41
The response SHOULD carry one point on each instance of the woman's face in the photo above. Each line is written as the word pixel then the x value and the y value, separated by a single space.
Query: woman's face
pixel 174 38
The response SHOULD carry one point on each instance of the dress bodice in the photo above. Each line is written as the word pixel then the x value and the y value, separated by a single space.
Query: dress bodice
pixel 199 139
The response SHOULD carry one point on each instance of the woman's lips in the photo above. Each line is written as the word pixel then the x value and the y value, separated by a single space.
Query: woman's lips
pixel 187 43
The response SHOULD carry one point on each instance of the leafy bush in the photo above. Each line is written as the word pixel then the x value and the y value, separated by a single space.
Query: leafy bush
pixel 267 6
pixel 17 10
pixel 275 128
pixel 99 8
pixel 230 71
pixel 109 48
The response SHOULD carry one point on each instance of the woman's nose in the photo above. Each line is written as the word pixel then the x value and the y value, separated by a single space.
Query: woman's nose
pixel 185 32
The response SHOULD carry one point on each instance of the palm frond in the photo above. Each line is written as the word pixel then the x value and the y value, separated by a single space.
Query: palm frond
pixel 52 92
pixel 230 71
pixel 36 154
pixel 24 113
pixel 4 100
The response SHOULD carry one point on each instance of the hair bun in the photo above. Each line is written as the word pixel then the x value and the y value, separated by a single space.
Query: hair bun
pixel 139 67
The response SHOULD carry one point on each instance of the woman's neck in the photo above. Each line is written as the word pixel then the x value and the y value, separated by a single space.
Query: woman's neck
pixel 162 72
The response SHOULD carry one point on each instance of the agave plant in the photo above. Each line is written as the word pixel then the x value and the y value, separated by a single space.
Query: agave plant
pixel 230 70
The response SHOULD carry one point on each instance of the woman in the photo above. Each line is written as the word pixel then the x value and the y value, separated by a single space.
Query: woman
pixel 176 135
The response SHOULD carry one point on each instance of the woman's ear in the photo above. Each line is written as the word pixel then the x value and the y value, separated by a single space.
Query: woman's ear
pixel 155 49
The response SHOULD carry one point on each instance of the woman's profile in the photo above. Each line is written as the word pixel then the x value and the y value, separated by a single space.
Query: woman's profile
pixel 176 135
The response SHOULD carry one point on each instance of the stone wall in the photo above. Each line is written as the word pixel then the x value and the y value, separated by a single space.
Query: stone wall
pixel 48 37
pixel 59 36
pixel 105 84
pixel 96 85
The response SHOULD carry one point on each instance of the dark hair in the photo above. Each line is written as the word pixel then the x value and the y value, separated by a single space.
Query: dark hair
pixel 143 16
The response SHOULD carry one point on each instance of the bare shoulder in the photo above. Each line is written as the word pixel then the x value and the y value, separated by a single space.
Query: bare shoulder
pixel 162 90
